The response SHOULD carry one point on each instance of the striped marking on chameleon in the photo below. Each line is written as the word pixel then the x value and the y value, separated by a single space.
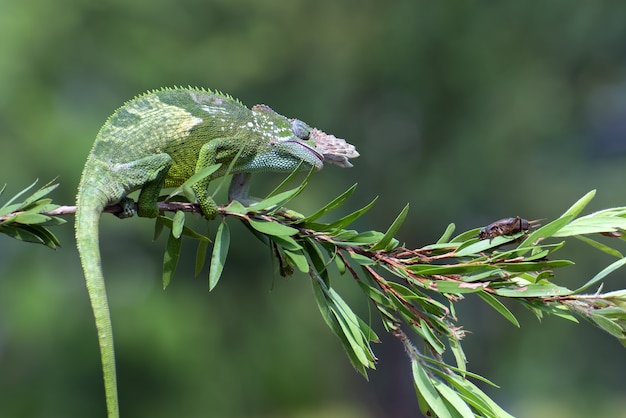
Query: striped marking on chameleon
pixel 214 110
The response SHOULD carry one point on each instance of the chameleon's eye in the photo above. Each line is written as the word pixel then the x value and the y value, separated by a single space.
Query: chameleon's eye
pixel 300 129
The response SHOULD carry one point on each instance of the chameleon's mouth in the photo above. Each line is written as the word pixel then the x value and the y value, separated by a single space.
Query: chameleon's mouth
pixel 311 151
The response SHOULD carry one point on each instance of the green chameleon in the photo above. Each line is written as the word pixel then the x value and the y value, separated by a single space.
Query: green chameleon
pixel 160 139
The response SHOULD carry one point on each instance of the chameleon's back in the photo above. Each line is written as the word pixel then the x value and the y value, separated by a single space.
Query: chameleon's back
pixel 171 115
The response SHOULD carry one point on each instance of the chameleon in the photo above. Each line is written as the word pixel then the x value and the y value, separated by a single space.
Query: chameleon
pixel 160 139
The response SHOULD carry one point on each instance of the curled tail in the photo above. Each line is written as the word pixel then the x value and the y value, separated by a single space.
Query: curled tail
pixel 89 208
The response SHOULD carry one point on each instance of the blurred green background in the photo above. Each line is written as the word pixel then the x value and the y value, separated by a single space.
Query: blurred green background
pixel 470 111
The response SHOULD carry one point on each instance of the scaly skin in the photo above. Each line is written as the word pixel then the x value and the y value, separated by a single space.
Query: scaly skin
pixel 162 138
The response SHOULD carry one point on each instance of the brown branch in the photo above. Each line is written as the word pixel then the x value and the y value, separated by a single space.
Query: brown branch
pixel 117 208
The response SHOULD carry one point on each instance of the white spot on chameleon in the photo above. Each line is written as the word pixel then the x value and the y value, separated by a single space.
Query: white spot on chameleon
pixel 214 110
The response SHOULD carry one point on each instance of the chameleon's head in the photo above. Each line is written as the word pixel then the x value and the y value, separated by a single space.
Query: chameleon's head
pixel 296 149
pixel 290 144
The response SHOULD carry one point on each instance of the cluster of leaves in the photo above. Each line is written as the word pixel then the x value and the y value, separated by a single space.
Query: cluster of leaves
pixel 28 220
pixel 413 290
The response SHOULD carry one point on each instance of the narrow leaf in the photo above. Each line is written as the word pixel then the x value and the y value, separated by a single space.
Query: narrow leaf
pixel 158 227
pixel 203 246
pixel 205 172
pixel 453 399
pixel 499 307
pixel 275 200
pixel 31 218
pixel 336 202
pixel 40 193
pixel 546 231
pixel 272 228
pixel 17 196
pixel 289 178
pixel 601 275
pixel 299 260
pixel 598 245
pixel 427 391
pixel 21 233
pixel 170 259
pixel 347 220
pixel 446 234
pixel 393 229
pixel 220 251
pixel 577 207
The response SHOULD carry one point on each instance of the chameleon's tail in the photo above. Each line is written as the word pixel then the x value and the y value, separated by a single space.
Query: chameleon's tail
pixel 89 208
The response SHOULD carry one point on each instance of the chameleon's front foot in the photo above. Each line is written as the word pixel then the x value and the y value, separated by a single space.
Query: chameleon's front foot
pixel 127 208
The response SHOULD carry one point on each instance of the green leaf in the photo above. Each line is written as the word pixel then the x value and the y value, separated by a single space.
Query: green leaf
pixel 601 275
pixel 236 207
pixel 205 172
pixel 598 245
pixel 362 260
pixel 349 323
pixel 426 390
pixel 178 223
pixel 459 354
pixel 299 260
pixel 290 177
pixel 446 234
pixel 472 233
pixel 336 202
pixel 577 207
pixel 530 290
pixel 499 307
pixel 430 269
pixel 278 199
pixel 188 232
pixel 159 224
pixel 21 233
pixel 272 228
pixel 608 325
pixel 348 219
pixel 48 238
pixel 546 231
pixel 220 251
pixel 534 265
pixel 324 304
pixel 170 259
pixel 44 190
pixel 472 394
pixel 456 287
pixel 391 232
pixel 592 225
pixel 476 246
pixel 31 218
pixel 14 198
pixel 317 259
pixel 203 246
pixel 453 399
pixel 286 243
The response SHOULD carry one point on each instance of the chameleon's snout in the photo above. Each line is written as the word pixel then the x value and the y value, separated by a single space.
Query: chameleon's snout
pixel 307 153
